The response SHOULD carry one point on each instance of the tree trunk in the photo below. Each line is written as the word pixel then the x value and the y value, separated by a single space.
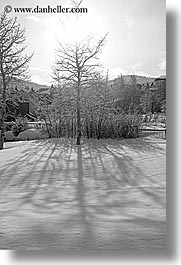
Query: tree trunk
pixel 78 115
pixel 3 114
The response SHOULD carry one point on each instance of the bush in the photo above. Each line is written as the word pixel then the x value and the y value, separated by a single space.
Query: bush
pixel 31 134
pixel 9 136
pixel 113 126
pixel 20 125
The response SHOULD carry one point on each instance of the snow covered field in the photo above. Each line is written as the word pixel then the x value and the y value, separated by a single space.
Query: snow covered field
pixel 104 194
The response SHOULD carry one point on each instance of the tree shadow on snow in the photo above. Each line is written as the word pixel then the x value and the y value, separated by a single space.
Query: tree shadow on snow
pixel 81 186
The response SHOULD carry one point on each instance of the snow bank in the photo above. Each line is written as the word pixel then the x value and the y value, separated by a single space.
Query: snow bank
pixel 31 134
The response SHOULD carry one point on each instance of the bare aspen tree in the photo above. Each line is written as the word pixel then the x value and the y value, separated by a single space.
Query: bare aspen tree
pixel 76 65
pixel 13 61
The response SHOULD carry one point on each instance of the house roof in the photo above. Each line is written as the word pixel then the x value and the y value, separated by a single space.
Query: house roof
pixel 162 77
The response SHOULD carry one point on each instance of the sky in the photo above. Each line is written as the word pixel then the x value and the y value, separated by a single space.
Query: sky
pixel 136 40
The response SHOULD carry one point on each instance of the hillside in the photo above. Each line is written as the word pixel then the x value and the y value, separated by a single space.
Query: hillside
pixel 127 78
pixel 28 85
pixel 140 79
pixel 35 85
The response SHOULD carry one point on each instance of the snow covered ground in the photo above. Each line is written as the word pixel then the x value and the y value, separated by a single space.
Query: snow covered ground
pixel 104 194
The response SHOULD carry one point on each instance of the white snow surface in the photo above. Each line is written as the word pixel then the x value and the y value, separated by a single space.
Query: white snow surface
pixel 104 194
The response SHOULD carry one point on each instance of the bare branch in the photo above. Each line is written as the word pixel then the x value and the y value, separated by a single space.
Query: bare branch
pixel 13 62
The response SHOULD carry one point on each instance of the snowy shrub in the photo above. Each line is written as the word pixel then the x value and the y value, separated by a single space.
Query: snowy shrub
pixel 9 136
pixel 20 125
pixel 100 116
pixel 100 125
pixel 130 125
pixel 31 134
pixel 112 126
pixel 15 129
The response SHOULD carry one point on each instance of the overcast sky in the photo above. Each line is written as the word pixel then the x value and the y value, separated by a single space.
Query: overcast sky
pixel 136 43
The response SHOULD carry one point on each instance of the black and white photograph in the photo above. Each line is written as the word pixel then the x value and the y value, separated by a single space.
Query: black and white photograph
pixel 83 125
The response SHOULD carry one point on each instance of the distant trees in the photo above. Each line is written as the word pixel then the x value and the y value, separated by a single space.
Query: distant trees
pixel 128 95
pixel 130 100
pixel 13 60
